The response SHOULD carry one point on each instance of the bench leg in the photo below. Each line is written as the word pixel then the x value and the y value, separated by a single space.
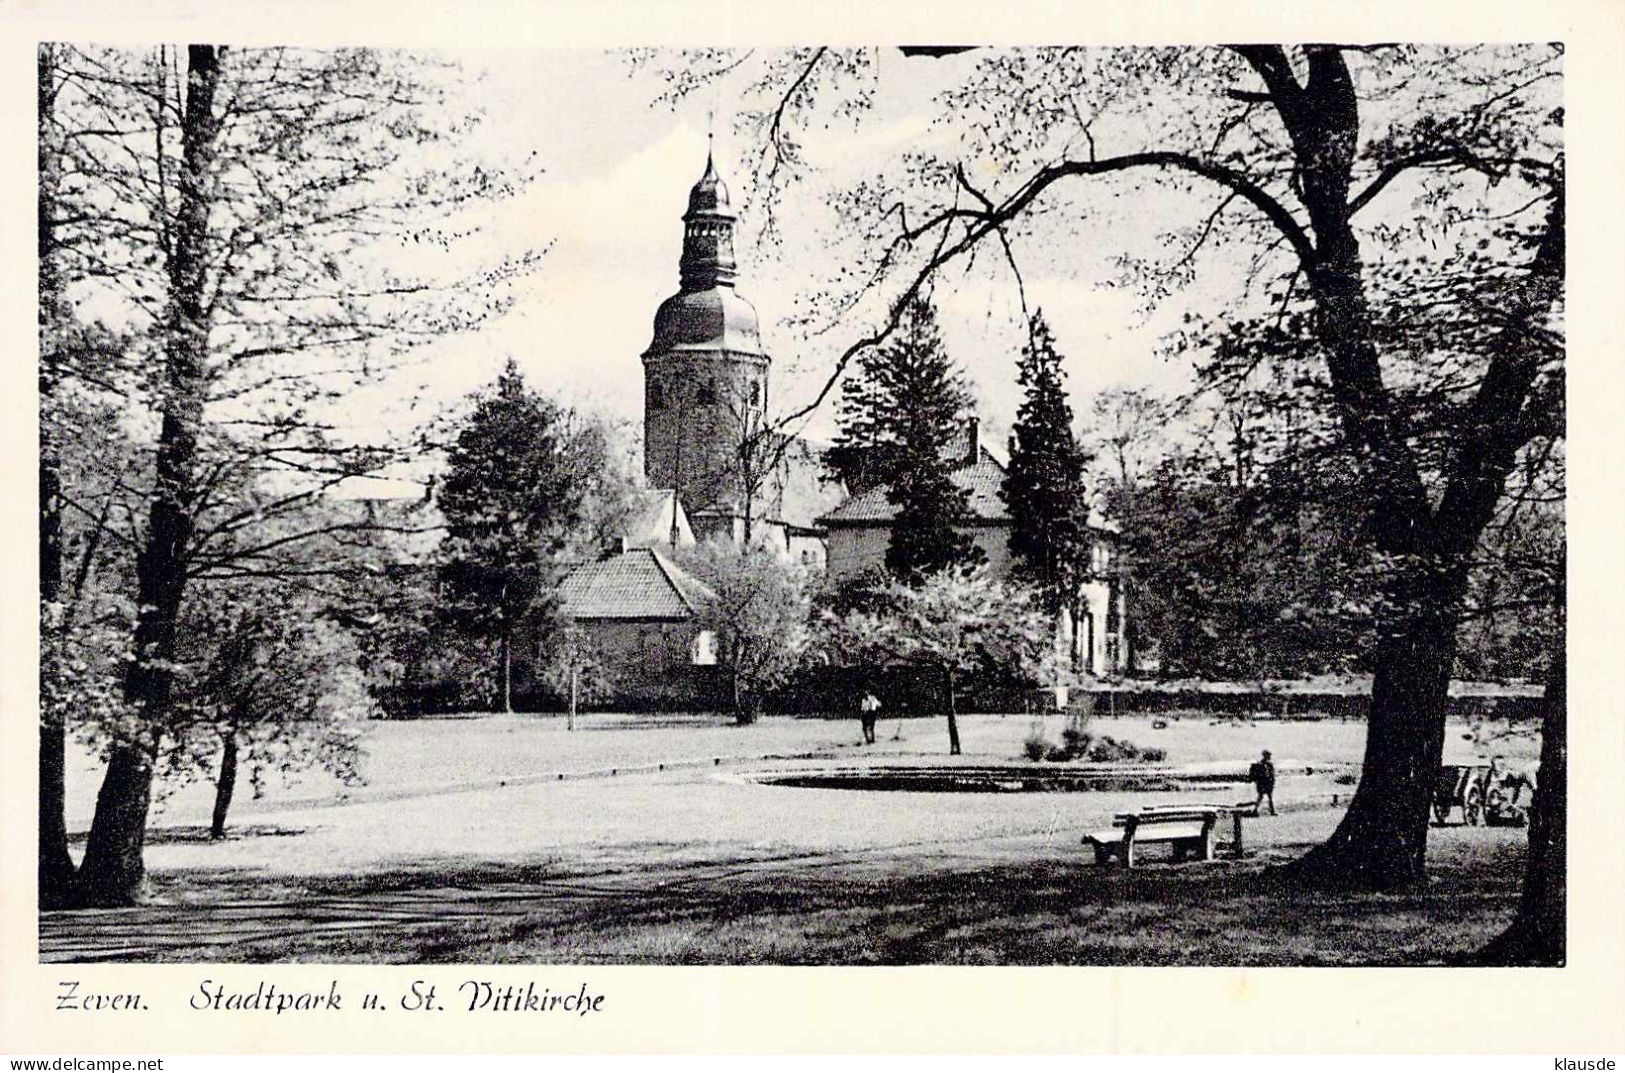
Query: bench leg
pixel 1128 851
pixel 1236 846
pixel 1204 848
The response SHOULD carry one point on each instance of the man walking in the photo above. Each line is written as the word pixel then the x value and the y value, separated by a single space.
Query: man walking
pixel 869 714
pixel 1262 774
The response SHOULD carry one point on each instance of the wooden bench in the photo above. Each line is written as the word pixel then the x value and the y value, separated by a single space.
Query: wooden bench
pixel 1188 829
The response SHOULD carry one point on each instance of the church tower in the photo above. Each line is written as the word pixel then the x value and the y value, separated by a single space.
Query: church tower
pixel 705 372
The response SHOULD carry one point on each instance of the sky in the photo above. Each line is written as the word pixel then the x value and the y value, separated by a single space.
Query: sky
pixel 616 170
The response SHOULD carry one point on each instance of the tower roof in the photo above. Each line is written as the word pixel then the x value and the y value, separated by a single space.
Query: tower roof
pixel 715 319
pixel 706 313
pixel 709 197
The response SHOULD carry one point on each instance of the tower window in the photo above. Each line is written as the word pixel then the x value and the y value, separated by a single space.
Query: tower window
pixel 705 394
pixel 657 396
pixel 756 393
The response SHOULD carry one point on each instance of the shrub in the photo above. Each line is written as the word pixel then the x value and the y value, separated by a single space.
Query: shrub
pixel 1036 747
pixel 1078 745
pixel 1107 749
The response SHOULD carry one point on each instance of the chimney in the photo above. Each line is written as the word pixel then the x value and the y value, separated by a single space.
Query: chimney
pixel 973 446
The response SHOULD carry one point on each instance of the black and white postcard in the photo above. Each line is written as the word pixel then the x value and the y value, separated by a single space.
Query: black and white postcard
pixel 535 517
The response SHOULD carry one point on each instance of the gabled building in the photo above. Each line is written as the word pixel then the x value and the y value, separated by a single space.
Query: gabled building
pixel 858 531
pixel 641 611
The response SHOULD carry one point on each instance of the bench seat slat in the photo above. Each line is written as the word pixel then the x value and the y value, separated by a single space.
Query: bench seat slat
pixel 1157 819
pixel 1153 832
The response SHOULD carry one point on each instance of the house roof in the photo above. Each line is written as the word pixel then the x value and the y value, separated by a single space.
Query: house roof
pixel 636 584
pixel 959 446
pixel 982 479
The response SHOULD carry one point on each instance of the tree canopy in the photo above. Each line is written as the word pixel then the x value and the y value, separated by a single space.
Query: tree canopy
pixel 1043 486
pixel 1433 327
pixel 514 494
pixel 899 418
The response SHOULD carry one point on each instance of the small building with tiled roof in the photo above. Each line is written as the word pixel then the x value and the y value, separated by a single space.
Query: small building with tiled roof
pixel 858 531
pixel 641 612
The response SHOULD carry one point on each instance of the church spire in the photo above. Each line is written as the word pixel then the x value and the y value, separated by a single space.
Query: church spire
pixel 708 232
pixel 705 365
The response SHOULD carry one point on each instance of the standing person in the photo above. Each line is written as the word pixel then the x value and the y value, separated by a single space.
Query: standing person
pixel 869 713
pixel 1262 774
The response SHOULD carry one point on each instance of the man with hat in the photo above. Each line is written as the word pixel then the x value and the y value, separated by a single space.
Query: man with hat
pixel 1262 774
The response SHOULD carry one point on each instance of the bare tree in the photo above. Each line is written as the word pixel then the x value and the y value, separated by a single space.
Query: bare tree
pixel 1275 134
pixel 243 207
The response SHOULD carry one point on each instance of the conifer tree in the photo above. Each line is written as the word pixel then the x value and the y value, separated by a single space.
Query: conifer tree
pixel 511 498
pixel 898 419
pixel 1043 488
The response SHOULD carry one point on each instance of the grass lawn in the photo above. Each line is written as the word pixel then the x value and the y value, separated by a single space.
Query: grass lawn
pixel 467 846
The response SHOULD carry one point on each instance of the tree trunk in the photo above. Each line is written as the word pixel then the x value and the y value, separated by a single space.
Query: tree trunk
pixel 225 785
pixel 742 715
pixel 113 873
pixel 953 716
pixel 505 658
pixel 1537 935
pixel 1382 838
pixel 1381 842
pixel 56 870
pixel 570 724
